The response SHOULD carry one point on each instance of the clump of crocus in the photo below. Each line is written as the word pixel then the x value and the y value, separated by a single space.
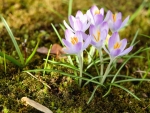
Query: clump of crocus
pixel 76 40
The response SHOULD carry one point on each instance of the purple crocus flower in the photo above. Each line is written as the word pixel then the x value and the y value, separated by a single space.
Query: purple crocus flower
pixel 116 47
pixel 75 42
pixel 115 21
pixel 98 34
pixel 78 23
pixel 95 15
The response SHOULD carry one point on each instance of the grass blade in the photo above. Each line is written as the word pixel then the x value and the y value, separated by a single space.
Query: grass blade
pixel 13 40
pixel 126 91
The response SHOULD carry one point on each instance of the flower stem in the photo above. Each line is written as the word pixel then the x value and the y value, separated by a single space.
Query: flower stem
pixel 107 71
pixel 101 59
pixel 80 67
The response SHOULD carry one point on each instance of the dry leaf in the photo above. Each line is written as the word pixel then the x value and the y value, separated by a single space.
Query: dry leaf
pixel 36 105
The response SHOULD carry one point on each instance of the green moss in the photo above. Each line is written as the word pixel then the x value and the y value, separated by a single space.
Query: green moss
pixel 27 19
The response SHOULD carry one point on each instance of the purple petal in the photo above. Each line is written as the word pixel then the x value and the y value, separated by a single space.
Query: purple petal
pixel 102 11
pixel 68 35
pixel 112 40
pixel 67 43
pixel 85 36
pixel 91 29
pixel 68 50
pixel 77 25
pixel 98 19
pixel 93 9
pixel 123 44
pixel 90 17
pixel 86 43
pixel 103 35
pixel 77 48
pixel 79 14
pixel 79 35
pixel 126 51
pixel 108 16
pixel 115 52
pixel 119 16
pixel 71 21
pixel 124 22
pixel 104 26
pixel 116 25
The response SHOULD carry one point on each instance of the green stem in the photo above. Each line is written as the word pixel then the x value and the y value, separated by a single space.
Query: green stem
pixel 81 68
pixel 107 71
pixel 101 59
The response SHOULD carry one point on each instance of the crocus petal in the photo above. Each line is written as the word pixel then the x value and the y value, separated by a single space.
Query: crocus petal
pixel 90 17
pixel 77 25
pixel 79 14
pixel 86 43
pixel 102 11
pixel 78 47
pixel 126 51
pixel 71 21
pixel 67 26
pixel 103 34
pixel 67 43
pixel 108 16
pixel 116 25
pixel 68 50
pixel 85 36
pixel 68 35
pixel 113 39
pixel 124 22
pixel 79 35
pixel 104 26
pixel 98 19
pixel 91 29
pixel 115 52
pixel 93 9
pixel 119 15
pixel 123 44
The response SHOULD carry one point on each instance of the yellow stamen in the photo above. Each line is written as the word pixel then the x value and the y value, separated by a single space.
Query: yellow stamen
pixel 114 17
pixel 117 45
pixel 74 40
pixel 97 12
pixel 98 36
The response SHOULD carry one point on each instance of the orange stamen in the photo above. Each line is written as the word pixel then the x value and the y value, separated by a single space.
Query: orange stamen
pixel 114 17
pixel 98 36
pixel 97 12
pixel 117 45
pixel 74 40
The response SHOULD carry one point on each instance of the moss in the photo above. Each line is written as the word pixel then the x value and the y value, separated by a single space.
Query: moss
pixel 27 19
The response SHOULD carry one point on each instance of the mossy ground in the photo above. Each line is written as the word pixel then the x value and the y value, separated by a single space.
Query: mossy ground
pixel 27 19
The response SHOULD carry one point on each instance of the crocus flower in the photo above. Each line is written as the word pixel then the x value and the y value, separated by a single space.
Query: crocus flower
pixel 78 23
pixel 116 47
pixel 98 34
pixel 75 42
pixel 115 21
pixel 95 15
